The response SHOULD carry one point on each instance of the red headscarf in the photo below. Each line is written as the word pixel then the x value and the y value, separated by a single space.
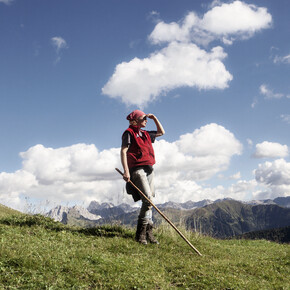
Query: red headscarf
pixel 135 115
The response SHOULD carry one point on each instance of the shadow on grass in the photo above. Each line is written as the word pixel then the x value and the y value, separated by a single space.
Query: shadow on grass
pixel 109 231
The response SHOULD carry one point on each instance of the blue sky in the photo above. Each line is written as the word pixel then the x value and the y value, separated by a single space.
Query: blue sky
pixel 215 73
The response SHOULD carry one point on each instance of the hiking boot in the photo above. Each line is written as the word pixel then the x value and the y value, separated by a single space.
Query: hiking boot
pixel 141 233
pixel 149 235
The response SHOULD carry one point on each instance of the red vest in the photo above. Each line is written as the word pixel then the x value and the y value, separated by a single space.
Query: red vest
pixel 140 151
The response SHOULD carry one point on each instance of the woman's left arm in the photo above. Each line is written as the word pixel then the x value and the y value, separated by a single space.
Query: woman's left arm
pixel 160 130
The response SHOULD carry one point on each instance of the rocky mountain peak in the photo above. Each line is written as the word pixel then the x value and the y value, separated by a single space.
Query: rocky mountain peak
pixel 60 213
pixel 95 206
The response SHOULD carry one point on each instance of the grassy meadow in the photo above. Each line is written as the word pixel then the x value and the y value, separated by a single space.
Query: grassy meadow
pixel 38 253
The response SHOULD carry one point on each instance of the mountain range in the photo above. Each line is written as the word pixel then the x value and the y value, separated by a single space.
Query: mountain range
pixel 220 218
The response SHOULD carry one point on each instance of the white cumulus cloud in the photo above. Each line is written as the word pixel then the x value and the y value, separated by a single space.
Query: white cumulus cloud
pixel 76 163
pixel 182 63
pixel 194 157
pixel 227 22
pixel 275 176
pixel 241 190
pixel 81 173
pixel 177 31
pixel 270 150
pixel 78 173
pixel 12 185
pixel 141 81
pixel 236 18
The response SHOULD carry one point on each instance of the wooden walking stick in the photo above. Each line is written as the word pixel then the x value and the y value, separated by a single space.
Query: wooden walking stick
pixel 163 215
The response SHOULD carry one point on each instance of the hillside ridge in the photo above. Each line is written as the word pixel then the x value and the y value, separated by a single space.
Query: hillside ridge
pixel 38 253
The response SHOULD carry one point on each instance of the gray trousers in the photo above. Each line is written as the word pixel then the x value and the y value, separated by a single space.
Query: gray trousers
pixel 144 180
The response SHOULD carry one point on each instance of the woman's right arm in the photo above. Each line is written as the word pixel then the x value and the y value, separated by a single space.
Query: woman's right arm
pixel 124 162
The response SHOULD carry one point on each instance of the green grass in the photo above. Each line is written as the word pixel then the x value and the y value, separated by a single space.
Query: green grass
pixel 38 253
pixel 6 211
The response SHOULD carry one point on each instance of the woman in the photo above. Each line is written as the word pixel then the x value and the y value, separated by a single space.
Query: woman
pixel 137 157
